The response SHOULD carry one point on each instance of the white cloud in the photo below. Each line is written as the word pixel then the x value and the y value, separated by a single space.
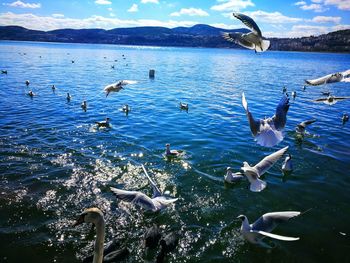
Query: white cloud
pixel 326 19
pixel 23 5
pixel 58 15
pixel 110 9
pixel 191 12
pixel 272 18
pixel 150 1
pixel 340 27
pixel 340 4
pixel 225 26
pixel 133 8
pixel 103 2
pixel 232 5
pixel 317 1
pixel 32 21
pixel 112 14
pixel 300 3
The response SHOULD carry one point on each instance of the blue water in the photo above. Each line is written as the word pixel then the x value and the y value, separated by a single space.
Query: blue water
pixel 55 163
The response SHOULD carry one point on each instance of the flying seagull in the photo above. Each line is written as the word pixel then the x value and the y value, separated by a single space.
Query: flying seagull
pixel 268 131
pixel 115 87
pixel 331 78
pixel 302 126
pixel 252 40
pixel 261 228
pixel 331 100
pixel 253 173
pixel 156 203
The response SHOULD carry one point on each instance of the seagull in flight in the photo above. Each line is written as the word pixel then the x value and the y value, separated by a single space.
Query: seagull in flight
pixel 330 78
pixel 301 127
pixel 331 100
pixel 253 173
pixel 261 228
pixel 155 203
pixel 252 40
pixel 116 87
pixel 268 131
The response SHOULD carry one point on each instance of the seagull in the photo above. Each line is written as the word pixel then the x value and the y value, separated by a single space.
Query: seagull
pixel 268 131
pixel 84 105
pixel 284 90
pixel 331 100
pixel 231 177
pixel 331 78
pixel 156 203
pixel 183 106
pixel 68 97
pixel 4 72
pixel 294 94
pixel 126 108
pixel 345 118
pixel 304 88
pixel 27 83
pixel 53 88
pixel 115 87
pixel 261 228
pixel 254 173
pixel 287 165
pixel 252 40
pixel 104 123
pixel 31 94
pixel 302 126
pixel 172 153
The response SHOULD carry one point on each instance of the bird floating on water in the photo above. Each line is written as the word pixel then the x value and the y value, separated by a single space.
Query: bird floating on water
pixel 331 78
pixel 331 100
pixel 302 126
pixel 84 105
pixel 4 72
pixel 68 97
pixel 156 203
pixel 294 94
pixel 31 94
pixel 126 108
pixel 287 165
pixel 115 87
pixel 261 228
pixel 268 131
pixel 184 106
pixel 53 88
pixel 103 124
pixel 345 118
pixel 252 40
pixel 95 216
pixel 27 83
pixel 284 90
pixel 172 153
pixel 253 173
pixel 231 177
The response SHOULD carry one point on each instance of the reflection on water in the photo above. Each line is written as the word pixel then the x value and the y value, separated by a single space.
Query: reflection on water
pixel 55 162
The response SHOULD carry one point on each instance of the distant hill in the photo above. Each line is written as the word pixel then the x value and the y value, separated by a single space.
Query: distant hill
pixel 196 36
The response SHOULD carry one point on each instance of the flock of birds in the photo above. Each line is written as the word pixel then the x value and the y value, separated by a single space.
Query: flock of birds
pixel 268 132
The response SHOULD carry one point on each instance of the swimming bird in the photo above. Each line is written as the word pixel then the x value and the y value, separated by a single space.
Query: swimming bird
pixel 345 118
pixel 103 124
pixel 115 87
pixel 184 106
pixel 4 72
pixel 304 87
pixel 31 94
pixel 112 67
pixel 68 97
pixel 95 216
pixel 261 228
pixel 84 105
pixel 126 108
pixel 27 83
pixel 168 244
pixel 331 100
pixel 330 78
pixel 302 126
pixel 73 61
pixel 152 237
pixel 172 153
pixel 287 164
pixel 268 131
pixel 53 88
pixel 156 203
pixel 284 90
pixel 231 177
pixel 253 173
pixel 252 40
pixel 294 94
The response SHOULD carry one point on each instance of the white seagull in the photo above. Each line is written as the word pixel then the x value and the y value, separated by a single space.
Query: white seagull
pixel 104 123
pixel 261 228
pixel 252 40
pixel 268 131
pixel 156 203
pixel 115 87
pixel 331 100
pixel 302 126
pixel 254 173
pixel 231 177
pixel 287 165
pixel 331 78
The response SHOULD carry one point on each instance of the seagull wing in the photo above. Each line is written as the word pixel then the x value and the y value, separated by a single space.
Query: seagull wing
pixel 266 163
pixel 330 78
pixel 254 125
pixel 156 191
pixel 320 99
pixel 249 22
pixel 134 197
pixel 279 237
pixel 306 123
pixel 238 39
pixel 341 98
pixel 269 221
pixel 280 117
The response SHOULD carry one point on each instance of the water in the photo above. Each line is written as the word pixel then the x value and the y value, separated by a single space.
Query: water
pixel 54 163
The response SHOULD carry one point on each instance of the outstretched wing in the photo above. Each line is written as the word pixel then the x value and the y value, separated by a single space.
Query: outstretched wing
pixel 266 163
pixel 306 123
pixel 156 191
pixel 238 39
pixel 330 78
pixel 269 221
pixel 280 117
pixel 321 99
pixel 254 125
pixel 134 197
pixel 279 237
pixel 249 22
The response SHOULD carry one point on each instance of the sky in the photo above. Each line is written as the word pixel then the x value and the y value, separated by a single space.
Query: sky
pixel 276 18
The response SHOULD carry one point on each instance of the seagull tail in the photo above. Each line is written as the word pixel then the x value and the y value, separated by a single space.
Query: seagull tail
pixel 257 185
pixel 265 44
pixel 269 137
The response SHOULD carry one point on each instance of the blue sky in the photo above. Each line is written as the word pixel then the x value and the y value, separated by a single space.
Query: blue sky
pixel 279 18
